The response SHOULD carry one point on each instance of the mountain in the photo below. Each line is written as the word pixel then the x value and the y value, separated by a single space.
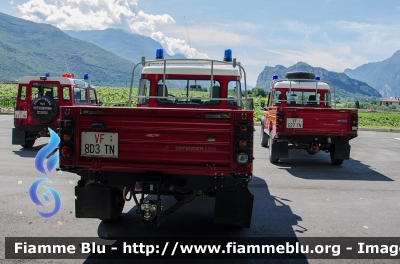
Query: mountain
pixel 128 46
pixel 345 86
pixel 29 48
pixel 383 76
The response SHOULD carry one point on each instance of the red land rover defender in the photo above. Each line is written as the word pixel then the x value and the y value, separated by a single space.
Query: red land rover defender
pixel 188 136
pixel 38 102
pixel 299 115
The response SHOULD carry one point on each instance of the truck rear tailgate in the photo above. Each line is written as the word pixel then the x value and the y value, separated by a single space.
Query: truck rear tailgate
pixel 153 139
pixel 324 121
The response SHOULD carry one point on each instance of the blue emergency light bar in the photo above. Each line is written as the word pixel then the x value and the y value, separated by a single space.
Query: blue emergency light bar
pixel 228 55
pixel 159 54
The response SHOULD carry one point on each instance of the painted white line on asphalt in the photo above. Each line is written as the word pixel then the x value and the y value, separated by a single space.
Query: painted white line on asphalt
pixel 397 138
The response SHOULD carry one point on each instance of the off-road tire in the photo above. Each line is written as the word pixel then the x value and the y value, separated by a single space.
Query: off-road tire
pixel 117 206
pixel 180 197
pixel 271 151
pixel 264 137
pixel 332 155
pixel 28 143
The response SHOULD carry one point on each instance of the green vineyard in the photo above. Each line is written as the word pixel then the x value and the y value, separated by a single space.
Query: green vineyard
pixel 115 96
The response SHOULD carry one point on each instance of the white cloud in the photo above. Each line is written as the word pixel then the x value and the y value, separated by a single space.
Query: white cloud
pixel 175 45
pixel 211 35
pixel 101 14
pixel 370 38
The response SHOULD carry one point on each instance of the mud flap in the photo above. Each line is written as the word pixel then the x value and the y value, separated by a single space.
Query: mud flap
pixel 18 137
pixel 280 150
pixel 342 151
pixel 95 201
pixel 234 206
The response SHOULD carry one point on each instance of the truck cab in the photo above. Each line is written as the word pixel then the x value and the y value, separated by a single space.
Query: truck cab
pixel 38 104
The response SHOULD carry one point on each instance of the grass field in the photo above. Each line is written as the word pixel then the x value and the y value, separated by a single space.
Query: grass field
pixel 379 120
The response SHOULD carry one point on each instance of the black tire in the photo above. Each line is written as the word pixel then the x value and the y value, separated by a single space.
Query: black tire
pixel 44 109
pixel 332 154
pixel 264 137
pixel 271 152
pixel 300 75
pixel 180 197
pixel 28 143
pixel 117 205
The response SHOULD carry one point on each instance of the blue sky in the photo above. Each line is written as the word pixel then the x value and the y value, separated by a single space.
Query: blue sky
pixel 333 34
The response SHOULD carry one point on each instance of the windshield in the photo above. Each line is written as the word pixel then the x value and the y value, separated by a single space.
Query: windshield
pixel 191 92
pixel 302 98
pixel 197 92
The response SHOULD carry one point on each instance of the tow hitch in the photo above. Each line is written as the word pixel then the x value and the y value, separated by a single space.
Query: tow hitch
pixel 150 210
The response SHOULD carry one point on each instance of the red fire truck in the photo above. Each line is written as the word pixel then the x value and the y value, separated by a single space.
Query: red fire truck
pixel 299 115
pixel 188 136
pixel 38 102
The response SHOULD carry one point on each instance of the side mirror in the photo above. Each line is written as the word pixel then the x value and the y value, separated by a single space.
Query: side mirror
pixel 262 104
pixel 101 101
pixel 249 104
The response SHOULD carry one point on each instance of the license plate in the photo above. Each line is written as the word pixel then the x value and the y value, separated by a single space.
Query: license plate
pixel 99 144
pixel 294 122
pixel 20 114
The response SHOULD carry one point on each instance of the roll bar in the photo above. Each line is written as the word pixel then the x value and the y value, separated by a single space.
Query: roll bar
pixel 192 62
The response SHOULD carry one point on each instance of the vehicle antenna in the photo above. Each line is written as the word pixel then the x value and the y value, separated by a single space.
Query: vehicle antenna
pixel 187 32
pixel 66 63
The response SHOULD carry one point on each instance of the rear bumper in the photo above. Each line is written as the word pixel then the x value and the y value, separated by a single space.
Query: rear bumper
pixel 315 138
pixel 169 183
pixel 36 128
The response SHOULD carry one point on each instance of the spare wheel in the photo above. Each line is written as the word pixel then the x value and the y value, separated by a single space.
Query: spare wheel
pixel 300 75
pixel 44 110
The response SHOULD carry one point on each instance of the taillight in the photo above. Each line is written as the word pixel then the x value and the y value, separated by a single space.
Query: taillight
pixel 280 121
pixel 65 151
pixel 244 143
pixel 66 130
pixel 243 129
pixel 67 123
pixel 354 122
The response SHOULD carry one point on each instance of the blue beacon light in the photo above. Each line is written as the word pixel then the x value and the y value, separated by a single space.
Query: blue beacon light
pixel 47 74
pixel 275 77
pixel 228 55
pixel 86 76
pixel 317 78
pixel 159 54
